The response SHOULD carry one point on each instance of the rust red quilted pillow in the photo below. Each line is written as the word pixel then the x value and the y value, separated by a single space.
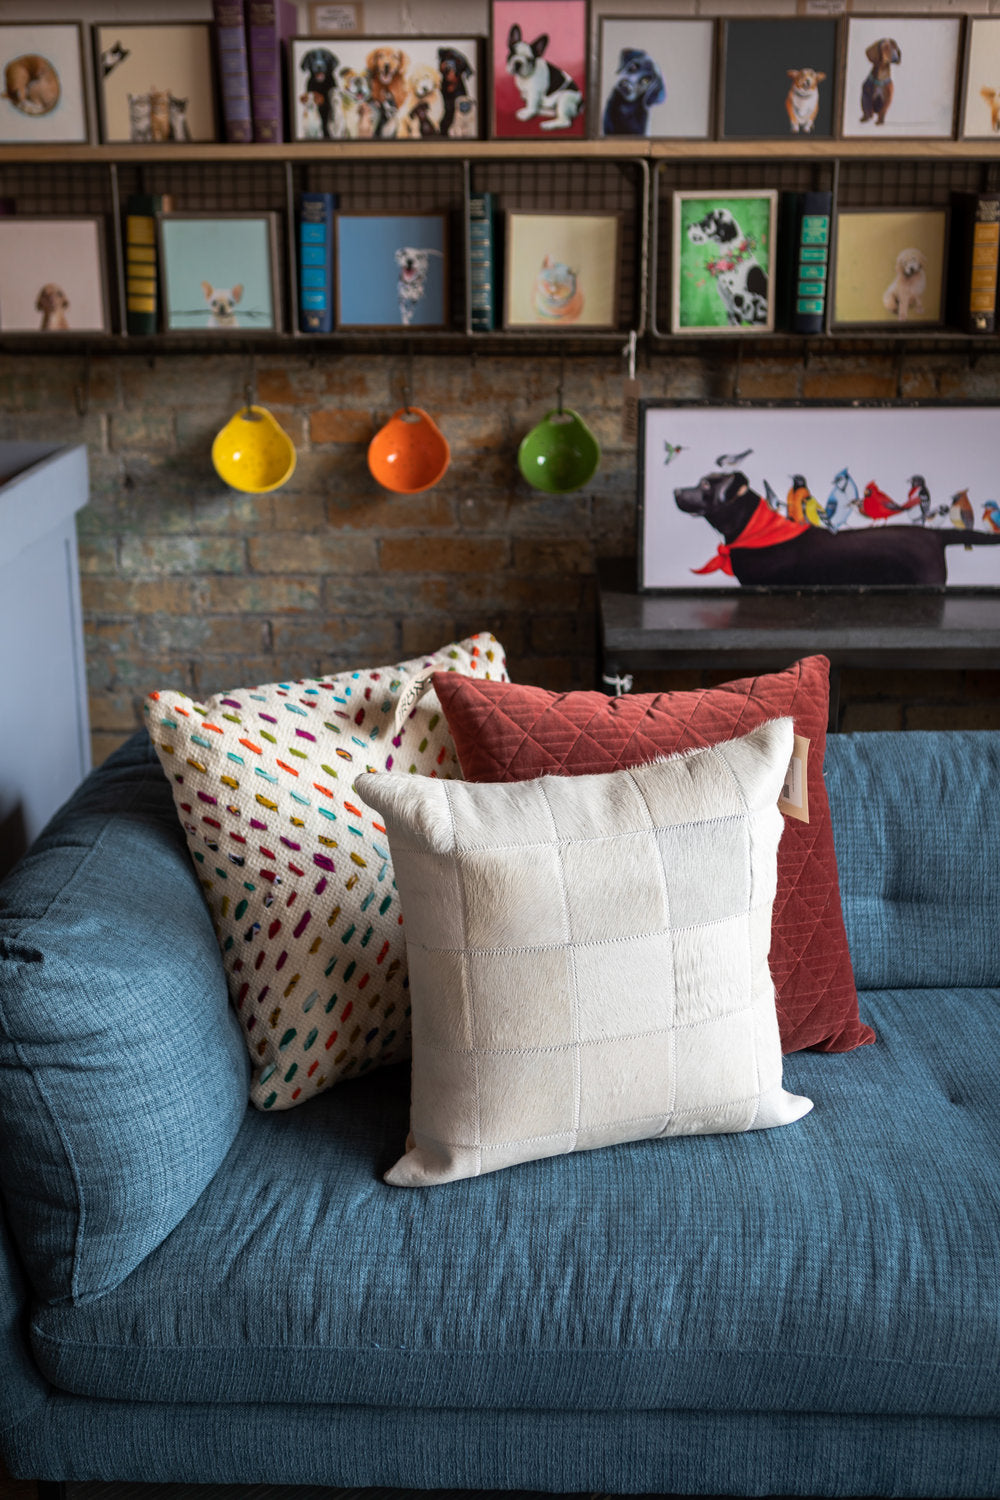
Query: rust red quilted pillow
pixel 508 732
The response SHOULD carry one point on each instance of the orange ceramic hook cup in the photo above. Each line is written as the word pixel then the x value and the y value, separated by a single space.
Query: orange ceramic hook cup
pixel 410 453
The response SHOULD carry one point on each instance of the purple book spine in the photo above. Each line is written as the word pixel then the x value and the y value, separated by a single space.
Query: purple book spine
pixel 269 22
pixel 234 75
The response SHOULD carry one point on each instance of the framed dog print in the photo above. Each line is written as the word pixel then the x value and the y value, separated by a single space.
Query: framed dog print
pixel 155 82
pixel 220 273
pixel 889 267
pixel 392 270
pixel 655 78
pixel 43 99
pixel 414 88
pixel 900 76
pixel 52 275
pixel 723 262
pixel 538 52
pixel 562 270
pixel 817 496
pixel 778 78
pixel 979 118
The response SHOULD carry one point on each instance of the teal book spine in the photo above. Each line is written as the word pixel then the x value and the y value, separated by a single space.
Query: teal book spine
pixel 316 212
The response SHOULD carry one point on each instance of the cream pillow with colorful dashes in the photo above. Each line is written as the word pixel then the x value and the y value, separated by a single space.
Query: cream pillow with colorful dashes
pixel 295 870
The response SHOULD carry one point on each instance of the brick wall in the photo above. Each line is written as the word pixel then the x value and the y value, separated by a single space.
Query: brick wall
pixel 189 584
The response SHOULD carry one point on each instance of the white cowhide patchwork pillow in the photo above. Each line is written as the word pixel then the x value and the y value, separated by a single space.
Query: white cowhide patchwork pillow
pixel 588 955
pixel 297 876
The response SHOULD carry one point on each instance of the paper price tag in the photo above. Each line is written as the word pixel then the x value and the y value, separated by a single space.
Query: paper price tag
pixel 794 798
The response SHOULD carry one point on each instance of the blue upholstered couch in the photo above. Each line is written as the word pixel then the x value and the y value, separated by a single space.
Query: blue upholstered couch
pixel 193 1291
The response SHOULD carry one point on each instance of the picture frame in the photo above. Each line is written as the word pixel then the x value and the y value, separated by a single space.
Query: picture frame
pixel 538 58
pixel 412 88
pixel 722 261
pixel 888 268
pixel 44 95
pixel 656 78
pixel 979 115
pixel 219 273
pixel 331 19
pixel 562 270
pixel 778 78
pixel 155 82
pixel 899 76
pixel 811 495
pixel 53 275
pixel 392 270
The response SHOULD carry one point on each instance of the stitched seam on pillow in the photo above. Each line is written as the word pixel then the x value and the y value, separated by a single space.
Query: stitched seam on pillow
pixel 597 838
pixel 467 981
pixel 750 908
pixel 571 965
pixel 669 932
pixel 594 1041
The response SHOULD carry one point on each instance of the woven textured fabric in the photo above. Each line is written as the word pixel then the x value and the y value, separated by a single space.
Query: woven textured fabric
pixel 299 883
pixel 123 1075
pixel 919 860
pixel 846 1265
pixel 588 956
pixel 512 733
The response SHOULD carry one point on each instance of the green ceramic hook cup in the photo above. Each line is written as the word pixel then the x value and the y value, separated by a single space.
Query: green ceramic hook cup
pixel 560 454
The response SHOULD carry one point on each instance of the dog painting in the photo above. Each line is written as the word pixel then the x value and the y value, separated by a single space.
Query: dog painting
pixel 412 272
pixel 219 273
pixel 52 275
pixel 392 270
pixel 539 52
pixel 41 83
pixel 805 497
pixel 655 77
pixel 802 99
pixel 979 116
pixel 904 296
pixel 889 266
pixel 384 88
pixel 877 89
pixel 53 304
pixel 901 76
pixel 722 261
pixel 778 77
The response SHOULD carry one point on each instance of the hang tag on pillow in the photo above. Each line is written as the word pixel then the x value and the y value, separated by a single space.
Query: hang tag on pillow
pixel 794 798
pixel 411 696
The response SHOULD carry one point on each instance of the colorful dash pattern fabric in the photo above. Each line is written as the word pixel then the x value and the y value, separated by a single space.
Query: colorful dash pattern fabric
pixel 295 869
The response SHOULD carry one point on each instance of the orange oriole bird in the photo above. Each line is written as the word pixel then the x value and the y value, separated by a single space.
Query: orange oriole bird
pixel 798 497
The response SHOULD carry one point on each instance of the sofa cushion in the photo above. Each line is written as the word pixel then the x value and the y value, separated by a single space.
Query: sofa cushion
pixel 123 1076
pixel 510 733
pixel 588 956
pixel 918 860
pixel 300 887
pixel 847 1266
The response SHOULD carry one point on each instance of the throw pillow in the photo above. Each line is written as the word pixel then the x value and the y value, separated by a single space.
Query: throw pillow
pixel 299 883
pixel 509 733
pixel 588 956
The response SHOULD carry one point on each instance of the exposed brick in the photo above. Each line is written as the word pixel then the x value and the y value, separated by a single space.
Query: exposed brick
pixel 130 597
pixel 270 596
pixel 332 636
pixel 341 425
pixel 380 512
pixel 541 556
pixel 441 555
pixel 846 380
pixel 182 554
pixel 323 552
pixel 145 428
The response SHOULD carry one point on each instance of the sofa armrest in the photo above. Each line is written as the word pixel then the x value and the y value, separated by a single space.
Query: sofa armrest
pixel 22 1388
pixel 123 1074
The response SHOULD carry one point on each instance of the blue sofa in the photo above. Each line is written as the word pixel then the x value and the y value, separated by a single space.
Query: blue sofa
pixel 192 1291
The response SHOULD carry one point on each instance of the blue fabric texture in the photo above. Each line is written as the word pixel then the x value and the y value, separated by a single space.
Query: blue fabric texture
pixel 123 1076
pixel 847 1264
pixel 614 1452
pixel 22 1389
pixel 916 823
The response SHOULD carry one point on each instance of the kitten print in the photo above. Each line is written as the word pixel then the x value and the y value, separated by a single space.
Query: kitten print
pixel 556 295
pixel 140 118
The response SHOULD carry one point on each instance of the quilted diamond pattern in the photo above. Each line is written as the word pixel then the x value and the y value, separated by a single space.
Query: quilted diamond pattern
pixel 509 732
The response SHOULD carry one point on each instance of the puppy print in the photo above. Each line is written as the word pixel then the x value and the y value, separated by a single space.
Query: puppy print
pixel 877 89
pixel 455 70
pixel 544 87
pixel 221 302
pixel 320 67
pixel 466 122
pixel 904 294
pixel 354 116
pixel 411 281
pixel 310 120
pixel 992 98
pixel 423 106
pixel 637 87
pixel 52 303
pixel 387 70
pixel 802 100
pixel 31 84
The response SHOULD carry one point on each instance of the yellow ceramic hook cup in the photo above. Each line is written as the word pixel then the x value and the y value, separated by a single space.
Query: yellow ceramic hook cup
pixel 410 453
pixel 253 452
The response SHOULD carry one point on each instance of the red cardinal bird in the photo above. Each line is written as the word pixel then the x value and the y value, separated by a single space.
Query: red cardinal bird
pixel 878 506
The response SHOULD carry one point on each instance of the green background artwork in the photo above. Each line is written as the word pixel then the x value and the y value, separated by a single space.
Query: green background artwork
pixel 699 301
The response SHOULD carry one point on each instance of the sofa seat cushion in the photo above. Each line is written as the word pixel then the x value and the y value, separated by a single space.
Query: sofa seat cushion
pixel 851 1266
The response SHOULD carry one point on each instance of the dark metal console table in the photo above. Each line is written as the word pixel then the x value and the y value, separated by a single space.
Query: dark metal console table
pixel 750 632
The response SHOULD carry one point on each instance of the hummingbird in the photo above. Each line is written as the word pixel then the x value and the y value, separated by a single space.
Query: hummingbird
pixel 672 450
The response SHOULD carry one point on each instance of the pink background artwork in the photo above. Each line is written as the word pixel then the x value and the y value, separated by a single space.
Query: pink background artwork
pixel 565 22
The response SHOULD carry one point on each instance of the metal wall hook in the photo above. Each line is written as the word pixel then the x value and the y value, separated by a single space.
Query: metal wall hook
pixel 81 392
pixel 629 353
pixel 408 381
pixel 561 383
pixel 250 388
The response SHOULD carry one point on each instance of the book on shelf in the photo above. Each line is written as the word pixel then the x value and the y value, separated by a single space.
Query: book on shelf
pixel 234 70
pixel 141 288
pixel 482 264
pixel 973 259
pixel 316 212
pixel 269 24
pixel 805 236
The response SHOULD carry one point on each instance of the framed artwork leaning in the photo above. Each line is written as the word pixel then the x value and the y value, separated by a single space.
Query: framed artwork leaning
pixel 413 88
pixel 43 100
pixel 538 57
pixel 813 495
pixel 656 77
pixel 778 78
pixel 979 116
pixel 155 82
pixel 219 273
pixel 900 76
pixel 889 267
pixel 53 277
pixel 391 270
pixel 722 263
pixel 561 270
